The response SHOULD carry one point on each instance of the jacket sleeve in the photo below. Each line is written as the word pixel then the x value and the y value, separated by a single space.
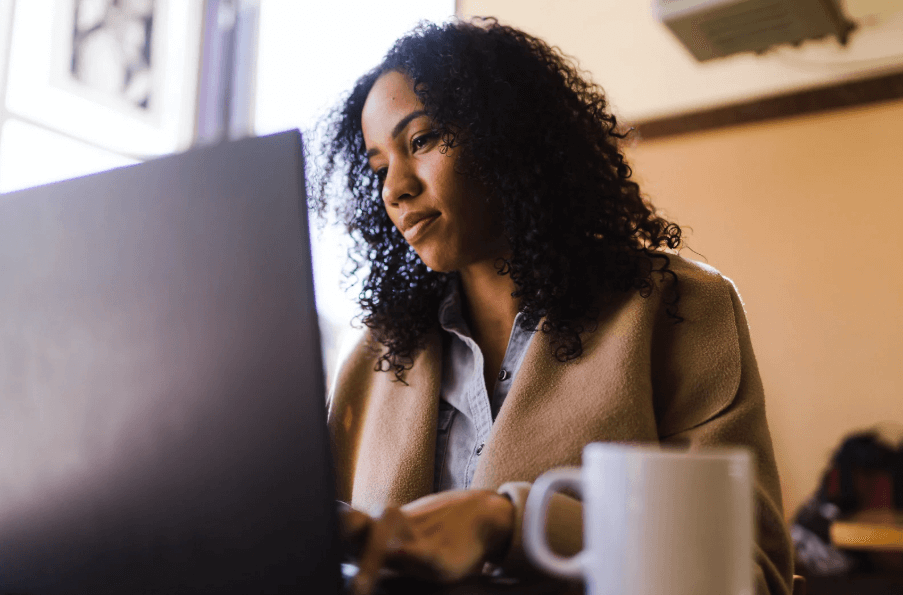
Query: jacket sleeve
pixel 564 527
pixel 731 413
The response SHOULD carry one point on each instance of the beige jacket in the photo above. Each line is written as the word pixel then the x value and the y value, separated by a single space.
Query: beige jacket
pixel 641 378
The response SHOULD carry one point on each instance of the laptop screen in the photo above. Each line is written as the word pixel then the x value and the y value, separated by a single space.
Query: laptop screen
pixel 162 427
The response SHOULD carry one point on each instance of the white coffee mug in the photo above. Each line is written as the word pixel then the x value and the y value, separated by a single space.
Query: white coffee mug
pixel 655 521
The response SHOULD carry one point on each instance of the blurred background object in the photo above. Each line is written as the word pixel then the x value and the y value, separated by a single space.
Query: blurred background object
pixel 718 28
pixel 111 45
pixel 848 536
pixel 119 75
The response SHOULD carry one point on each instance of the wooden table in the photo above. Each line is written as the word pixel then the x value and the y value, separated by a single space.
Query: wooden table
pixel 870 530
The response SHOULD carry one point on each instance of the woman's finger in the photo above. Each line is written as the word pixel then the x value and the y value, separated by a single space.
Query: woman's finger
pixel 387 535
pixel 355 524
pixel 356 527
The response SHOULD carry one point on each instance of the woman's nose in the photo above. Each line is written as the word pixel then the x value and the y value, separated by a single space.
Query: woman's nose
pixel 401 183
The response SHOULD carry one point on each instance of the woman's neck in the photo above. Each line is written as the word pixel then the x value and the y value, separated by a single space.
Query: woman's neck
pixel 488 306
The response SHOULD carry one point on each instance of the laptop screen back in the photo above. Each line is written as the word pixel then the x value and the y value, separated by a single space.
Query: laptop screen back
pixel 162 426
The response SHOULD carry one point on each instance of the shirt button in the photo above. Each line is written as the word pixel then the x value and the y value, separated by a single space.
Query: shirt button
pixel 504 375
pixel 480 449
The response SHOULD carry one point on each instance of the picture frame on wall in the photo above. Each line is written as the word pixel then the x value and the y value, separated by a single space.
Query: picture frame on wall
pixel 119 74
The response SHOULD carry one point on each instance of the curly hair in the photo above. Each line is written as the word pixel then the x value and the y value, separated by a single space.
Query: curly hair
pixel 538 135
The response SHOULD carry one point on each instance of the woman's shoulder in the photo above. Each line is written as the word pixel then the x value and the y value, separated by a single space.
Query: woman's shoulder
pixel 695 274
pixel 697 359
pixel 699 287
pixel 682 296
pixel 692 315
pixel 357 352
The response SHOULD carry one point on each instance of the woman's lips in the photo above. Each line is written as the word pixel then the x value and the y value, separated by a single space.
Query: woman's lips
pixel 413 233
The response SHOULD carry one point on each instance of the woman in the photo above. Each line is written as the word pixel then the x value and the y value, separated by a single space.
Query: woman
pixel 519 304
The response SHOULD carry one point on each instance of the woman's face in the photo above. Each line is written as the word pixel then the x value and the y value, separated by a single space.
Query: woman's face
pixel 445 216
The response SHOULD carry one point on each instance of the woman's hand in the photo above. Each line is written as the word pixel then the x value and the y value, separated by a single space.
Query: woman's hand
pixel 442 537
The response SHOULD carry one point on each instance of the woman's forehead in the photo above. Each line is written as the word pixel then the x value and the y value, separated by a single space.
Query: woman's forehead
pixel 390 99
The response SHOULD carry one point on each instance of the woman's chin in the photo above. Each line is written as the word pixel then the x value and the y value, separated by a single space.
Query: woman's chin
pixel 436 261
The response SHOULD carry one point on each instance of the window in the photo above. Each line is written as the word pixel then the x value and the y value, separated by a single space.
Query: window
pixel 87 85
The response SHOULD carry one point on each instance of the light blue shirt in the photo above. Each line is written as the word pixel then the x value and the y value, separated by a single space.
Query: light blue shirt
pixel 466 412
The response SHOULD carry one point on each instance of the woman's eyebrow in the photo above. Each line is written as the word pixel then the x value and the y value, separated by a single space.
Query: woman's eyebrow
pixel 398 128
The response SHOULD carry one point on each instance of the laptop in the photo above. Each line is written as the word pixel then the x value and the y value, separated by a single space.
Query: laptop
pixel 162 422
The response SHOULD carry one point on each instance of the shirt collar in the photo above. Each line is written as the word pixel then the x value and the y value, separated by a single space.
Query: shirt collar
pixel 451 312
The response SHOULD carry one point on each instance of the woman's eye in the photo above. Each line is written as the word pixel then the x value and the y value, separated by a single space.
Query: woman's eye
pixel 381 174
pixel 418 142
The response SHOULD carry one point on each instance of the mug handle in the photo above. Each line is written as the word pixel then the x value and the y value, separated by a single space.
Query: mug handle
pixel 535 523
